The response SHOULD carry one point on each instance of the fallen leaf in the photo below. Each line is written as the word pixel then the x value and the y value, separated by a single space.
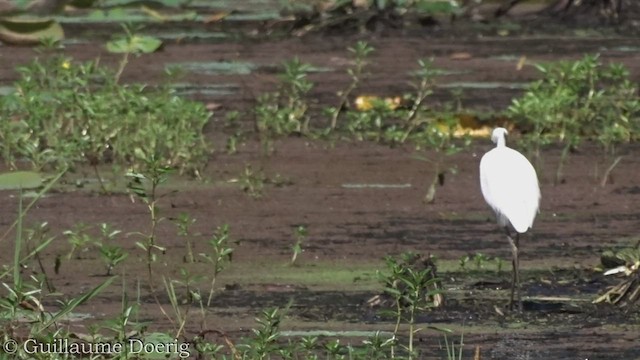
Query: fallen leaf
pixel 213 106
pixel 216 17
pixel 368 102
pixel 460 56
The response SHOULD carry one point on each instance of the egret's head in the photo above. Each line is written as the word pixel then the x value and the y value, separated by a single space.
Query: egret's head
pixel 498 136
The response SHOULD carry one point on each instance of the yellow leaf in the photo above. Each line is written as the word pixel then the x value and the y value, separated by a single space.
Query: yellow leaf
pixel 216 17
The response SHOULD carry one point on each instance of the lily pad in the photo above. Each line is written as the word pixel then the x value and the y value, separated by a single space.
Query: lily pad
pixel 29 30
pixel 134 44
pixel 16 180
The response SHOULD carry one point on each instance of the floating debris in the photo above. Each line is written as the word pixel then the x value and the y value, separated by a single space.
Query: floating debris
pixel 626 263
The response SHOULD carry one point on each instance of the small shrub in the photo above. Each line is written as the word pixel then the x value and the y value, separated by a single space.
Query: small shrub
pixel 577 100
pixel 66 113
pixel 284 111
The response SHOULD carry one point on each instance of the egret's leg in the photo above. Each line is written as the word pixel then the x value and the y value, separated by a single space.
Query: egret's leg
pixel 515 282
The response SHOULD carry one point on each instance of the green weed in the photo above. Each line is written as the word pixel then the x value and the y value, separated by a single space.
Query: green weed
pixel 480 262
pixel 220 255
pixel 144 185
pixel 184 222
pixel 300 234
pixel 284 112
pixel 22 306
pixel 578 100
pixel 412 283
pixel 65 113
pixel 360 52
pixel 252 181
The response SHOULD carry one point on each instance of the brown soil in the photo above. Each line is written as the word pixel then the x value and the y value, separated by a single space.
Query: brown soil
pixel 354 227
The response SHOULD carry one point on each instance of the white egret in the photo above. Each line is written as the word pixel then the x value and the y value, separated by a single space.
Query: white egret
pixel 509 185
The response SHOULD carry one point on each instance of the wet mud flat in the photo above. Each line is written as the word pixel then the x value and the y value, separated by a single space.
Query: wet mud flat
pixel 352 228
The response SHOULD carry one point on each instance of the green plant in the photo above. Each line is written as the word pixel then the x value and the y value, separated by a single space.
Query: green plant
pixel 360 52
pixel 443 144
pixel 252 182
pixel 462 262
pixel 79 238
pixel 499 263
pixel 264 341
pixel 180 316
pixel 131 43
pixel 479 259
pixel 452 354
pixel 378 347
pixel 22 305
pixel 481 262
pixel 285 111
pixel 184 222
pixel 431 129
pixel 371 124
pixel 300 234
pixel 576 100
pixel 125 323
pixel 295 86
pixel 424 83
pixel 144 185
pixel 231 123
pixel 112 255
pixel 36 240
pixel 220 255
pixel 64 113
pixel 412 283
pixel 189 281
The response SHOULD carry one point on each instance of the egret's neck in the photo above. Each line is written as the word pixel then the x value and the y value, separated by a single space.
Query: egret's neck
pixel 500 143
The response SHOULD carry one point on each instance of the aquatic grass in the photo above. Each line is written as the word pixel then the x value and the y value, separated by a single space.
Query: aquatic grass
pixel 220 255
pixel 413 285
pixel 27 293
pixel 360 52
pixel 300 234
pixel 76 113
pixel 577 100
pixel 285 111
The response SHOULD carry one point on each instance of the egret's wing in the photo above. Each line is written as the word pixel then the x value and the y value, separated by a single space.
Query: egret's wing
pixel 510 186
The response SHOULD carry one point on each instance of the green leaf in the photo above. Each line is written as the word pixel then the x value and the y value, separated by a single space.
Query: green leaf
pixel 134 44
pixel 75 303
pixel 20 180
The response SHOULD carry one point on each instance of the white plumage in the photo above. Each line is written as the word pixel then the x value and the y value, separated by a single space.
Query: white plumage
pixel 509 185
